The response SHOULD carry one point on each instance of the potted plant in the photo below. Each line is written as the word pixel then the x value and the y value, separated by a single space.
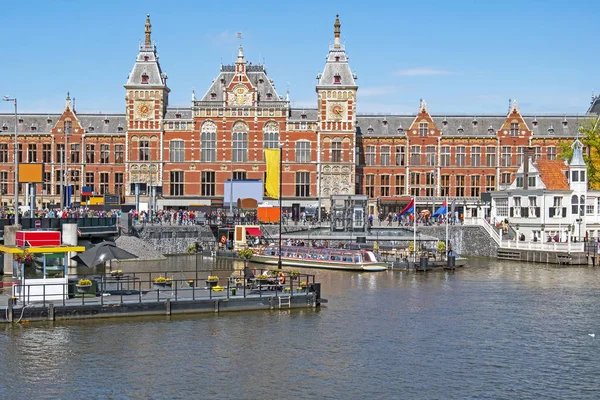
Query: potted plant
pixel 190 282
pixel 163 281
pixel 302 286
pixel 441 247
pixel 117 273
pixel 294 275
pixel 262 277
pixel 83 285
pixel 212 281
pixel 23 258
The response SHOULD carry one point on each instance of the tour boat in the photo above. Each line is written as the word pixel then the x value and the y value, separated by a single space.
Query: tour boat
pixel 312 257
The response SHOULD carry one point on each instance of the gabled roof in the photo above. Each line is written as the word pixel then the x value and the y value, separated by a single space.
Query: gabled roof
pixel 594 105
pixel 552 174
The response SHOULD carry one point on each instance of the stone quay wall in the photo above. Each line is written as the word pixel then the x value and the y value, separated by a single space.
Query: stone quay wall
pixel 466 240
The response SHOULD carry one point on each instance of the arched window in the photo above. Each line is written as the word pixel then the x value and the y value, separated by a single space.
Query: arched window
pixel 574 204
pixel 271 135
pixel 240 142
pixel 208 141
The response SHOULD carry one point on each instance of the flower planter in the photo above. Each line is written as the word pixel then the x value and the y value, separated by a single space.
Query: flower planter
pixel 162 285
pixel 83 288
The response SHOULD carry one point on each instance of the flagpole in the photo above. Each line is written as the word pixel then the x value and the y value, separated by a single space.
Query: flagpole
pixel 446 229
pixel 415 231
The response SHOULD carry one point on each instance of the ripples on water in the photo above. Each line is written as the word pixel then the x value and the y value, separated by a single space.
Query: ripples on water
pixel 492 331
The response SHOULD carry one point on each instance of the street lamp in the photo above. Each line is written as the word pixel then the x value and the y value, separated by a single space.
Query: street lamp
pixel 280 203
pixel 6 98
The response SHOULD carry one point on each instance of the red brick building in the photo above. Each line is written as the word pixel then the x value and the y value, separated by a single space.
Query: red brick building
pixel 184 155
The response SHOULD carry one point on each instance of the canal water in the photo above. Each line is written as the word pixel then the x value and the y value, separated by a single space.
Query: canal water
pixel 495 330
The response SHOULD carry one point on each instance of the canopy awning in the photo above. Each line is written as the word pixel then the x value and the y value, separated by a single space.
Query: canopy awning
pixel 253 232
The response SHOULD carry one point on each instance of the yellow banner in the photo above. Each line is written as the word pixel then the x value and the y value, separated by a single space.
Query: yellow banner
pixel 272 182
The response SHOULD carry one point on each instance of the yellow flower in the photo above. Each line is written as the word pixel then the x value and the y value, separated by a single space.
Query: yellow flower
pixel 84 282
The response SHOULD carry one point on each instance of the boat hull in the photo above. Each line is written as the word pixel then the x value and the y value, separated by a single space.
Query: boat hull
pixel 304 263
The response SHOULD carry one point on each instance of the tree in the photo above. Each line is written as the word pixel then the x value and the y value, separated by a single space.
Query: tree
pixel 590 137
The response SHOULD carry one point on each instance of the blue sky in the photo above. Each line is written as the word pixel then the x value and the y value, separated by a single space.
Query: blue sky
pixel 467 57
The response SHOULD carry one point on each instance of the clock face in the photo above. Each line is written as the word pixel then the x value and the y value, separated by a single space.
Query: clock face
pixel 337 111
pixel 144 109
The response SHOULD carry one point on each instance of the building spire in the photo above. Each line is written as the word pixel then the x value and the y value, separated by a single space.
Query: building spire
pixel 68 102
pixel 148 31
pixel 336 31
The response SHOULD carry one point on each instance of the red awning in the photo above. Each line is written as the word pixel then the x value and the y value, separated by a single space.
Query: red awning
pixel 253 232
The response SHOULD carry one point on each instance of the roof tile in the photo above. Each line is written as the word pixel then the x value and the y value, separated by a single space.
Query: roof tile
pixel 552 173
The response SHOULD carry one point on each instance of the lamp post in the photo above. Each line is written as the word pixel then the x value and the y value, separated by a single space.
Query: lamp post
pixel 6 98
pixel 579 221
pixel 280 202
pixel 517 238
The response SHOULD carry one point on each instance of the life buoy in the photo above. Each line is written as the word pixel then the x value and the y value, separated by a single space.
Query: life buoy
pixel 223 239
pixel 281 278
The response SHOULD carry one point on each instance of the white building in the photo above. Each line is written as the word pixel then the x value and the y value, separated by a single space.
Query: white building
pixel 549 200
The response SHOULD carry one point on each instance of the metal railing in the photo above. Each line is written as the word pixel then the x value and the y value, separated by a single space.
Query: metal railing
pixel 132 289
pixel 567 247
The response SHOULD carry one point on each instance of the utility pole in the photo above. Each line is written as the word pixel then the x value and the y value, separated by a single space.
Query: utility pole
pixel 15 154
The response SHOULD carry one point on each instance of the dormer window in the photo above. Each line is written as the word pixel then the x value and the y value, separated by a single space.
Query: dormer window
pixel 445 122
pixel 565 123
pixel 49 121
pixel 491 130
pixel 460 130
pixel 213 96
pixel 222 81
pixel 534 122
pixel 551 130
pixel 146 58
pixel 337 79
pixel 261 81
pixel 144 78
pixel 177 115
pixel 474 122
pixel 4 127
pixel 370 129
pixel 119 129
pixel 33 128
pixel 20 120
pixel 400 130
pixel 269 96
pixel 106 121
pixel 337 58
pixel 384 122
pixel 90 129
pixel 303 116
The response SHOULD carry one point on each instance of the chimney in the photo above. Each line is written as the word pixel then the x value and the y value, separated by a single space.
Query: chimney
pixel 529 152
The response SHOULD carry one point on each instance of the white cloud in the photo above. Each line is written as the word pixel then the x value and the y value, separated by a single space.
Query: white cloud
pixel 422 71
pixel 224 37
pixel 375 90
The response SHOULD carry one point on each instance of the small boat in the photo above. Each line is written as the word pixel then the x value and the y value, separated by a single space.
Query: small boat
pixel 312 257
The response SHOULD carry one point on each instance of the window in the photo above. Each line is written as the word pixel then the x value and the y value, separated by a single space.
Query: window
pixel 89 180
pixel 490 183
pixel 475 185
pixel 20 153
pixel 514 129
pixel 574 176
pixel 519 181
pixel 551 153
pixel 68 127
pixel 271 135
pixel 47 185
pixel 176 151
pixel 208 183
pixel 58 179
pixel 415 155
pixel 517 206
pixel 302 184
pixel 506 156
pixel 303 151
pixel 460 156
pixel 176 185
pixel 415 178
pixel 505 178
pixel 336 151
pixel 385 156
pixel 89 153
pixel 104 154
pixel 385 185
pixel 75 153
pixel 208 140
pixel 460 185
pixel 119 179
pixel 32 152
pixel 4 153
pixel 60 152
pixel 370 185
pixel 502 207
pixel 119 151
pixel 400 156
pixel 532 206
pixel 240 142
pixel 400 183
pixel 445 185
pixel 144 78
pixel 589 209
pixel 476 156
pixel 430 155
pixel 490 156
pixel 531 182
pixel 337 79
pixel 415 191
pixel 520 153
pixel 104 182
pixel 423 128
pixel 4 182
pixel 445 157
pixel 75 178
pixel 430 178
pixel 144 150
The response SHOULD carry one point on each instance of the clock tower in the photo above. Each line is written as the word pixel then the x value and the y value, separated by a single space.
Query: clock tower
pixel 146 100
pixel 336 92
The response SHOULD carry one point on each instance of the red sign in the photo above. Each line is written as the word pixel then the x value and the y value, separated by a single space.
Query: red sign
pixel 38 223
pixel 38 238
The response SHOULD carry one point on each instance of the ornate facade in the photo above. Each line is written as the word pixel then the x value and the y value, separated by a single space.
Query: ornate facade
pixel 182 156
